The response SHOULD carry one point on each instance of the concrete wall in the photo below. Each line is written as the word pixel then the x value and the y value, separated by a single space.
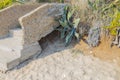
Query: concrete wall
pixel 40 22
pixel 9 16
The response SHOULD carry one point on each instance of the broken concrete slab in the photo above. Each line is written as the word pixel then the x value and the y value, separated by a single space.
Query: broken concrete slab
pixel 8 60
pixel 9 16
pixel 12 52
pixel 40 22
pixel 22 42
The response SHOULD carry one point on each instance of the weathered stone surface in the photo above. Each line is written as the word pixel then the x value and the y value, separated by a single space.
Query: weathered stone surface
pixel 30 50
pixel 8 60
pixel 22 43
pixel 9 16
pixel 13 53
pixel 40 22
pixel 94 35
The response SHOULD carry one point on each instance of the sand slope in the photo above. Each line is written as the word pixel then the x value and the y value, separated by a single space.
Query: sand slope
pixel 59 63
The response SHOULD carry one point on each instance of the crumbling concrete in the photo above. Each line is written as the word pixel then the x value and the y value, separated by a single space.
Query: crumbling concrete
pixel 22 41
pixel 40 22
pixel 9 16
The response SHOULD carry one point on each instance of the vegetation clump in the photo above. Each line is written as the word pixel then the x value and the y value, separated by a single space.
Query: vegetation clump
pixel 109 12
pixel 115 24
pixel 5 3
pixel 69 25
pixel 105 11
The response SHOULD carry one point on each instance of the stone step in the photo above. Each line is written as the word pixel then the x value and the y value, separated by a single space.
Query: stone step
pixel 17 32
pixel 8 60
pixel 11 44
pixel 12 52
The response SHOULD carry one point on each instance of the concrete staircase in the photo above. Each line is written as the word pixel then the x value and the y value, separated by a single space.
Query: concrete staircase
pixel 12 51
pixel 8 50
pixel 13 41
pixel 35 21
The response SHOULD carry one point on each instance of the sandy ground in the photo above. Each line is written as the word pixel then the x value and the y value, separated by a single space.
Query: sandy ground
pixel 57 62
pixel 103 51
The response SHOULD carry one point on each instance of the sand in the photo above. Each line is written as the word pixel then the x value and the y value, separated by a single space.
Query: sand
pixel 104 51
pixel 57 62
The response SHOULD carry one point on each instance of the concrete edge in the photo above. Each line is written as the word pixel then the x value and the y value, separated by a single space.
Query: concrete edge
pixel 28 14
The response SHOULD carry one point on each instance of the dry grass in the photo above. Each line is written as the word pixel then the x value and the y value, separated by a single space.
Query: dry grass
pixel 82 10
pixel 85 13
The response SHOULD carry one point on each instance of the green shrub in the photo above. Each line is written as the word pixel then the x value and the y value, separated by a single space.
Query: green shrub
pixel 115 24
pixel 5 3
pixel 69 26
pixel 109 13
pixel 114 11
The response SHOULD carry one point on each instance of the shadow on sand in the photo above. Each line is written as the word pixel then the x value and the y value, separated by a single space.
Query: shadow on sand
pixel 50 45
